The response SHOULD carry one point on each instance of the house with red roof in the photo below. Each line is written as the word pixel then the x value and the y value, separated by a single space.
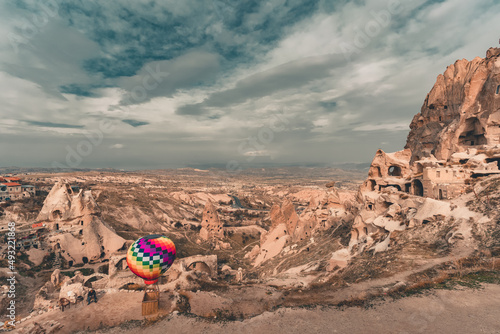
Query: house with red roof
pixel 12 189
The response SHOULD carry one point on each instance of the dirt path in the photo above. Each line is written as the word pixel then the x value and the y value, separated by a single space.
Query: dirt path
pixel 443 311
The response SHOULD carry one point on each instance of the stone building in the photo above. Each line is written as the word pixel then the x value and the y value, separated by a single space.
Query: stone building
pixel 28 190
pixel 454 138
pixel 444 182
pixel 12 189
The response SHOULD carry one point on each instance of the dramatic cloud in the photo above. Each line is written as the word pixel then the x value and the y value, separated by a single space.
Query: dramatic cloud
pixel 158 84
pixel 54 125
pixel 134 123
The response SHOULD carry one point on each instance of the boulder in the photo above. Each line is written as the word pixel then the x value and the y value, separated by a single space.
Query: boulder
pixel 253 253
pixel 330 184
pixel 78 278
pixel 72 290
pixel 55 278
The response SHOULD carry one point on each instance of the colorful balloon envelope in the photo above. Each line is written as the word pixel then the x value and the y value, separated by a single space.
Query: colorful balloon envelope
pixel 149 257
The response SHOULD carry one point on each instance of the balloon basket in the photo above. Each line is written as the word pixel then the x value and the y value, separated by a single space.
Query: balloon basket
pixel 151 300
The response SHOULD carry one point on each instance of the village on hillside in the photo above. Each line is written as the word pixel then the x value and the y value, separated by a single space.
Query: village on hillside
pixel 11 188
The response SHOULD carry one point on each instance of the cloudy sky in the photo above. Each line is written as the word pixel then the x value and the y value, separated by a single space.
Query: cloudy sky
pixel 139 84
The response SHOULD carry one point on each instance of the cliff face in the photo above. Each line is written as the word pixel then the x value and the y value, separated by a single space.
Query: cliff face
pixel 455 137
pixel 64 204
pixel 461 111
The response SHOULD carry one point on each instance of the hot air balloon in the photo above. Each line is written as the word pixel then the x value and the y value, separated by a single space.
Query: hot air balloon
pixel 149 257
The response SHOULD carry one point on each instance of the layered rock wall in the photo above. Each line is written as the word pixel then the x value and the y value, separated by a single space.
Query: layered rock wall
pixel 461 111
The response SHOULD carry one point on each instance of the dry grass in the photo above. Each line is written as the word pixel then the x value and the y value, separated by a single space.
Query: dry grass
pixel 182 305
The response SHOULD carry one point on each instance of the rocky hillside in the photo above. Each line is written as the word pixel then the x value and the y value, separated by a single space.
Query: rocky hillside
pixel 462 109
pixel 425 216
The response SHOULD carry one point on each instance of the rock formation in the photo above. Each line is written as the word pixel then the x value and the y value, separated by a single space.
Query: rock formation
pixel 324 208
pixel 64 204
pixel 88 243
pixel 71 291
pixel 211 226
pixel 461 111
pixel 239 275
pixel 48 327
pixel 55 278
pixel 389 170
pixel 200 198
pixel 79 233
pixel 455 137
pixel 284 214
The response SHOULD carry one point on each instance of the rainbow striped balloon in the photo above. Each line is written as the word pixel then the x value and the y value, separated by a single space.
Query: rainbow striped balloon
pixel 149 257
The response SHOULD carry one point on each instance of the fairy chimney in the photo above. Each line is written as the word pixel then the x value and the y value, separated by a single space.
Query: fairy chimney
pixel 211 226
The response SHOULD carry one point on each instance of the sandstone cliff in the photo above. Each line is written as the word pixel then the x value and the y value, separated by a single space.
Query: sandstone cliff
pixel 462 110
pixel 453 139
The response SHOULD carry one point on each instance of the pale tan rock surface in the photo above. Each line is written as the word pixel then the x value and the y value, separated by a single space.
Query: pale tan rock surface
pixel 79 233
pixel 95 242
pixel 454 139
pixel 211 226
pixel 463 100
pixel 55 278
pixel 63 204
pixel 36 255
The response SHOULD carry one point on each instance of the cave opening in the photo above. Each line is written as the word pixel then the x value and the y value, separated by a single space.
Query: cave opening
pixel 200 266
pixel 473 133
pixel 394 171
pixel 440 194
pixel 375 171
pixel 420 168
pixel 56 214
pixel 418 188
pixel 497 160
